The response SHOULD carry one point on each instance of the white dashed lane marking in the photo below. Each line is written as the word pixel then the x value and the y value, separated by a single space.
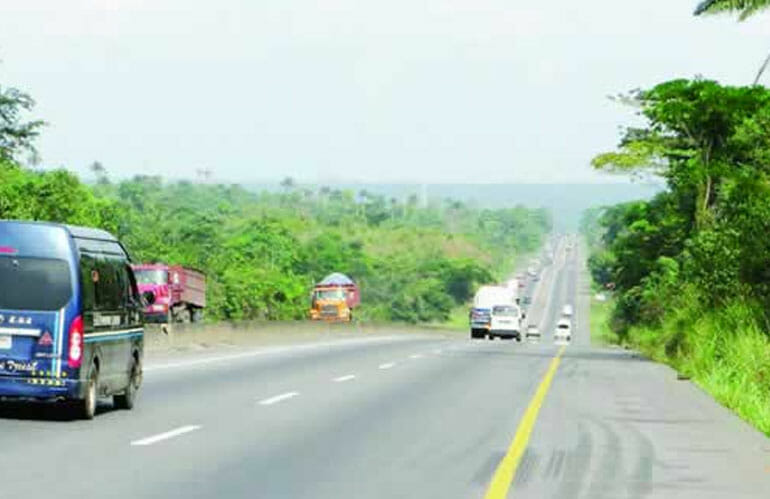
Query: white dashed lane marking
pixel 342 379
pixel 387 365
pixel 165 436
pixel 278 398
pixel 416 356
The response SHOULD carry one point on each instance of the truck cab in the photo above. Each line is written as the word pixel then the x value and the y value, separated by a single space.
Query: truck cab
pixel 334 298
pixel 180 292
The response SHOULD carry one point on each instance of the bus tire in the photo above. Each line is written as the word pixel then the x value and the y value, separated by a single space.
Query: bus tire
pixel 126 399
pixel 85 408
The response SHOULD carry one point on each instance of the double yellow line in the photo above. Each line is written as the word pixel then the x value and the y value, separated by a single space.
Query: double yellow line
pixel 506 470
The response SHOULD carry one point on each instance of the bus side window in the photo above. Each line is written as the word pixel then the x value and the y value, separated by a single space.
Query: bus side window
pixel 107 291
pixel 87 269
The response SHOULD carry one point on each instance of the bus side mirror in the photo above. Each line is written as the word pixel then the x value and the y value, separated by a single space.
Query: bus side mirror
pixel 149 297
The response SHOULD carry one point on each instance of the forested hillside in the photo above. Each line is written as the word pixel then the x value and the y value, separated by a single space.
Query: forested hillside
pixel 262 252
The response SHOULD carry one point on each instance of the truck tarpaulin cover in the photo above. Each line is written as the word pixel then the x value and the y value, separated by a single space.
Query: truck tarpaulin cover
pixel 336 279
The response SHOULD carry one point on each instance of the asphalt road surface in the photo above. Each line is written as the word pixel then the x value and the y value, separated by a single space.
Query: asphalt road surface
pixel 400 417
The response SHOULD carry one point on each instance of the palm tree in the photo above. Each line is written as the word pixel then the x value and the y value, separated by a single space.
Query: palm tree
pixel 746 8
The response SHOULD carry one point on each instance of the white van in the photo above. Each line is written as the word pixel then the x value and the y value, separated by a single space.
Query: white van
pixel 563 331
pixel 506 322
pixel 567 311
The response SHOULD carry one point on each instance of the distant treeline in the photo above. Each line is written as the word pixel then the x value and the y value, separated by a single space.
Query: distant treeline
pixel 263 252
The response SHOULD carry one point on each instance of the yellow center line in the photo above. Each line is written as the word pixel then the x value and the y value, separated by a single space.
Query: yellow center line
pixel 506 470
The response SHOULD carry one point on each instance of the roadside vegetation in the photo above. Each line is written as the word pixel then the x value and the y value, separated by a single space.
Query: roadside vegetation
pixel 263 251
pixel 690 269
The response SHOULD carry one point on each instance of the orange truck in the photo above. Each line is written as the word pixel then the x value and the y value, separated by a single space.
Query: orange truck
pixel 334 298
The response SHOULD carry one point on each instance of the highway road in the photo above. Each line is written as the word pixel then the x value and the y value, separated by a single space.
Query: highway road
pixel 400 417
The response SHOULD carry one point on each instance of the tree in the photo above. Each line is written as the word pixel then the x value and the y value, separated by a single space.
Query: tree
pixel 745 7
pixel 16 134
pixel 689 139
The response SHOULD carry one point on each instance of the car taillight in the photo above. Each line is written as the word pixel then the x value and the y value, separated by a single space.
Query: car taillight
pixel 75 348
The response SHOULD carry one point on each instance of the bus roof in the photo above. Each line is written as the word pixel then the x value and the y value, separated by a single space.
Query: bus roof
pixel 74 230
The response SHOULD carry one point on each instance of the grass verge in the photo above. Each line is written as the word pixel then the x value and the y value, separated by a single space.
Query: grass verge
pixel 724 351
pixel 599 322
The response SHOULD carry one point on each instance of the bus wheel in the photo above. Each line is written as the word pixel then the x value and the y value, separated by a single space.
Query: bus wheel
pixel 126 399
pixel 86 408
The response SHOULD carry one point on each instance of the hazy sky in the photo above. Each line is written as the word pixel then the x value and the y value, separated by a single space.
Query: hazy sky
pixel 355 90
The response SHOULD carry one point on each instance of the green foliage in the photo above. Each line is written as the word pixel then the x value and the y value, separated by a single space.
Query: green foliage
pixel 690 267
pixel 263 252
pixel 16 134
pixel 745 8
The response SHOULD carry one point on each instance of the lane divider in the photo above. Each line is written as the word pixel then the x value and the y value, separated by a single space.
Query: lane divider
pixel 165 436
pixel 387 365
pixel 342 379
pixel 506 470
pixel 278 398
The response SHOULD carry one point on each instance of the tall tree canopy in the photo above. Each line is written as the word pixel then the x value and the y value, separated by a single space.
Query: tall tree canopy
pixel 16 134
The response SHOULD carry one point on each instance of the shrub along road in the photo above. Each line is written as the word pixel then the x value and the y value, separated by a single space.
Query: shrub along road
pixel 399 416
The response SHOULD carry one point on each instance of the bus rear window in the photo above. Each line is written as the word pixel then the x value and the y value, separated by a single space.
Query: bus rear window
pixel 28 283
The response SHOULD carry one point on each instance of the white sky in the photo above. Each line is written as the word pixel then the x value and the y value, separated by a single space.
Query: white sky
pixel 355 90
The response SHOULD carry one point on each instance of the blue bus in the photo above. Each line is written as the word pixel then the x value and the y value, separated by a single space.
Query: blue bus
pixel 71 318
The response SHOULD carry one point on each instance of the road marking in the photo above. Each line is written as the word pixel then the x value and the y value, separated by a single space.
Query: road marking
pixel 278 398
pixel 506 470
pixel 387 365
pixel 165 436
pixel 416 356
pixel 342 379
pixel 437 351
pixel 272 351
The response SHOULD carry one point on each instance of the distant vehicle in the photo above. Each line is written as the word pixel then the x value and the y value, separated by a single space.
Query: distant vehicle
pixel 505 322
pixel 513 284
pixel 526 300
pixel 180 292
pixel 563 330
pixel 486 298
pixel 533 331
pixel 70 316
pixel 566 311
pixel 334 298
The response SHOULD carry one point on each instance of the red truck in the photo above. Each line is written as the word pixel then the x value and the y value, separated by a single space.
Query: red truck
pixel 180 292
pixel 334 298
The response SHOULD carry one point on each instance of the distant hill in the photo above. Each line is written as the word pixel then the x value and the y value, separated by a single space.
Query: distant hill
pixel 566 201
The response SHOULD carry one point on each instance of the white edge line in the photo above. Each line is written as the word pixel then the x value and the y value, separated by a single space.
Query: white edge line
pixel 342 379
pixel 278 398
pixel 387 365
pixel 165 436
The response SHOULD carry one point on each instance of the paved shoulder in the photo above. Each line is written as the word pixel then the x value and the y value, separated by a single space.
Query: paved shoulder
pixel 617 426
